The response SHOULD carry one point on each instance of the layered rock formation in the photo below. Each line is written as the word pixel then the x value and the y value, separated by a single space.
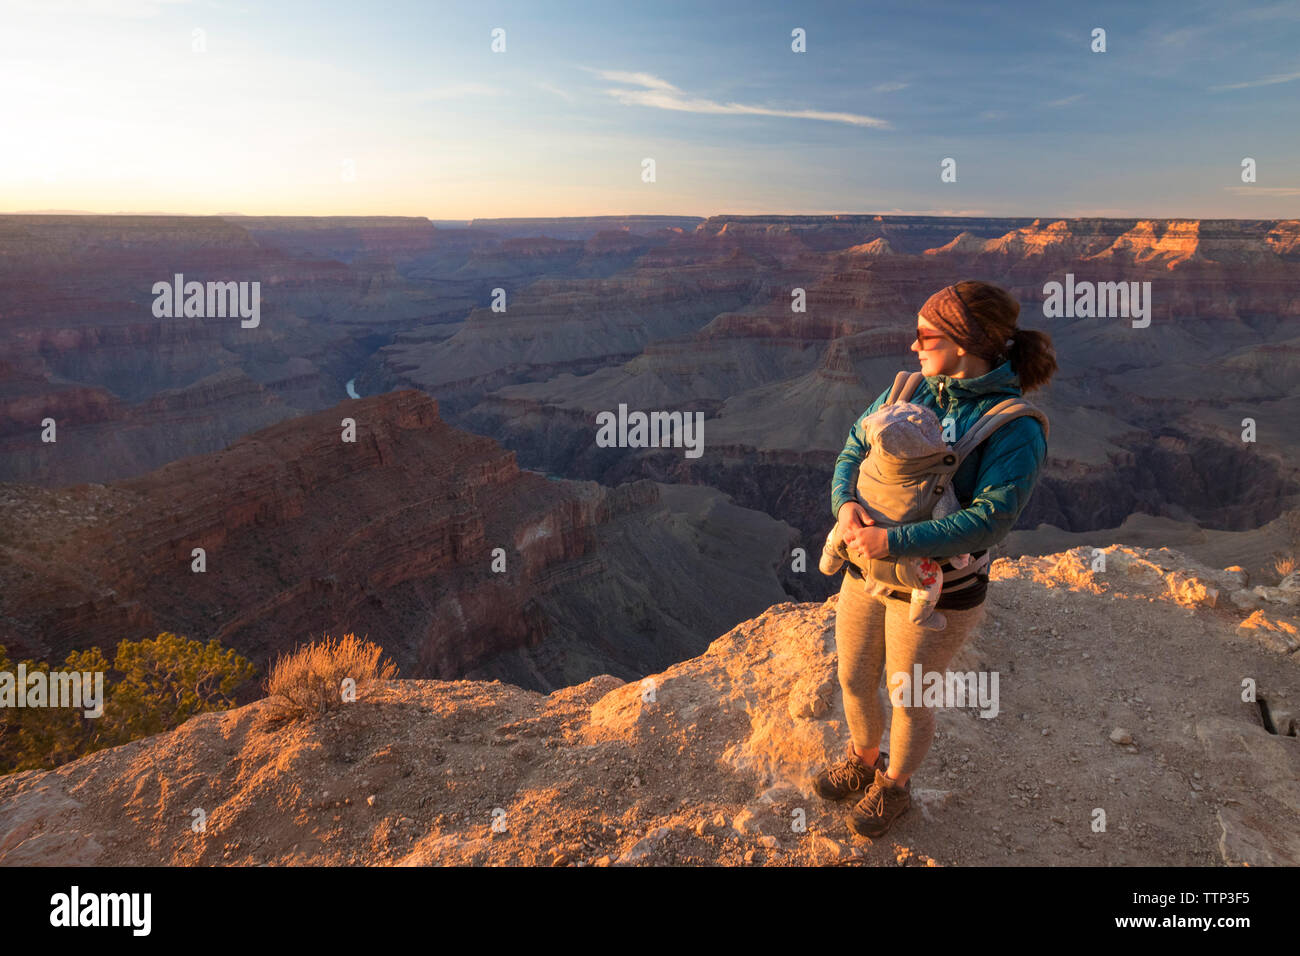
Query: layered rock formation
pixel 1146 419
pixel 663 314
pixel 1119 690
pixel 77 329
pixel 396 532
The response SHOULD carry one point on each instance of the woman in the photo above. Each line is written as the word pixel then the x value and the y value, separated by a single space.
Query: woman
pixel 973 356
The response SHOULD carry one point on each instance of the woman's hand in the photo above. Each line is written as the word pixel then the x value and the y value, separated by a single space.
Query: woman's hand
pixel 860 532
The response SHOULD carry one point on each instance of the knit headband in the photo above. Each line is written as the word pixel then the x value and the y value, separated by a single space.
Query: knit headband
pixel 945 310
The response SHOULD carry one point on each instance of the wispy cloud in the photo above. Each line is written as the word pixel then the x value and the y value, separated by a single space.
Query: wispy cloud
pixel 660 94
pixel 891 87
pixel 1066 101
pixel 1266 81
pixel 994 114
pixel 1185 35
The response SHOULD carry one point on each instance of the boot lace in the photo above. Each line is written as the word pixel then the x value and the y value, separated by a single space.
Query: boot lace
pixel 847 772
pixel 874 799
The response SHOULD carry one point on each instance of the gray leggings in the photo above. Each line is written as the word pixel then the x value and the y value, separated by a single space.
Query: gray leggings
pixel 875 634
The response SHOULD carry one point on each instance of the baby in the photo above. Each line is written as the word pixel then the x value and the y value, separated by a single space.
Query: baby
pixel 892 487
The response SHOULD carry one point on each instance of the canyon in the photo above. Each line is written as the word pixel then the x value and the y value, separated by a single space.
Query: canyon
pixel 303 534
pixel 671 315
pixel 531 581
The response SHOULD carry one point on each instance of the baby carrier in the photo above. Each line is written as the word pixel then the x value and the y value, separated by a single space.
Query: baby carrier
pixel 925 478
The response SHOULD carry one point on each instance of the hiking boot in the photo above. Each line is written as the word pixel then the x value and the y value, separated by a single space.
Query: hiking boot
pixel 876 812
pixel 848 777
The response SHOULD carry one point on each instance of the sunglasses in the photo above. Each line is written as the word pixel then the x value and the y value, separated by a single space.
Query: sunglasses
pixel 921 336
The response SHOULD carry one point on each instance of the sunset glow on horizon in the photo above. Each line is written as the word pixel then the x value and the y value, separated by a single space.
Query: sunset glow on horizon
pixel 155 106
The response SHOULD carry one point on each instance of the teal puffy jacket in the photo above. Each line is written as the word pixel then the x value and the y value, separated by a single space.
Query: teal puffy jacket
pixel 1004 469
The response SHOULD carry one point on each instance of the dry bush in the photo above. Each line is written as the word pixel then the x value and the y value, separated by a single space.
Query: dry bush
pixel 310 680
pixel 1284 561
pixel 1284 564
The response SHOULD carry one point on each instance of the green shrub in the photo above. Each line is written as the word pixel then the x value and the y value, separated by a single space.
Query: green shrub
pixel 152 685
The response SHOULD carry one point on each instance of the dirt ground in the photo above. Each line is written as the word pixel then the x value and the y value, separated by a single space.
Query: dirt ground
pixel 1119 693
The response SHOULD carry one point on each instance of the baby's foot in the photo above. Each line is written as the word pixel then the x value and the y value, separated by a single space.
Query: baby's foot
pixel 831 560
pixel 924 614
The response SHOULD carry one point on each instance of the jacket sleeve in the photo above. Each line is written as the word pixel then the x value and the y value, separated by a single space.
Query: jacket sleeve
pixel 845 477
pixel 1012 458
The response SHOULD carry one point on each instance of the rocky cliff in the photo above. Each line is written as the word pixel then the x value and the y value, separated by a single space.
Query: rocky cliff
pixel 1120 690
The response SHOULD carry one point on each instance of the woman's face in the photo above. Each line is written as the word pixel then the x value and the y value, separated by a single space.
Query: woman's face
pixel 936 352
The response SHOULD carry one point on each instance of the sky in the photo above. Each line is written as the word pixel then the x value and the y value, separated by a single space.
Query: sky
pixel 321 108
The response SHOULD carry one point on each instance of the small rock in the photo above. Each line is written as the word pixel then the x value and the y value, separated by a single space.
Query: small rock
pixel 1246 600
pixel 1272 633
pixel 832 848
pixel 645 846
pixel 371 799
pixel 769 841
pixel 1237 576
pixel 1121 736
pixel 812 697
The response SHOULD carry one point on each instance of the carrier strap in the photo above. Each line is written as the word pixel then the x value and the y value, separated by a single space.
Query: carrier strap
pixel 905 385
pixel 997 416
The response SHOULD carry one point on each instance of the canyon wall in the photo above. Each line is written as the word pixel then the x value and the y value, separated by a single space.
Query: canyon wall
pixel 397 532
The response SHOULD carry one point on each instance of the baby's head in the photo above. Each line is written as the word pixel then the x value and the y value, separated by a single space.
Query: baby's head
pixel 904 430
